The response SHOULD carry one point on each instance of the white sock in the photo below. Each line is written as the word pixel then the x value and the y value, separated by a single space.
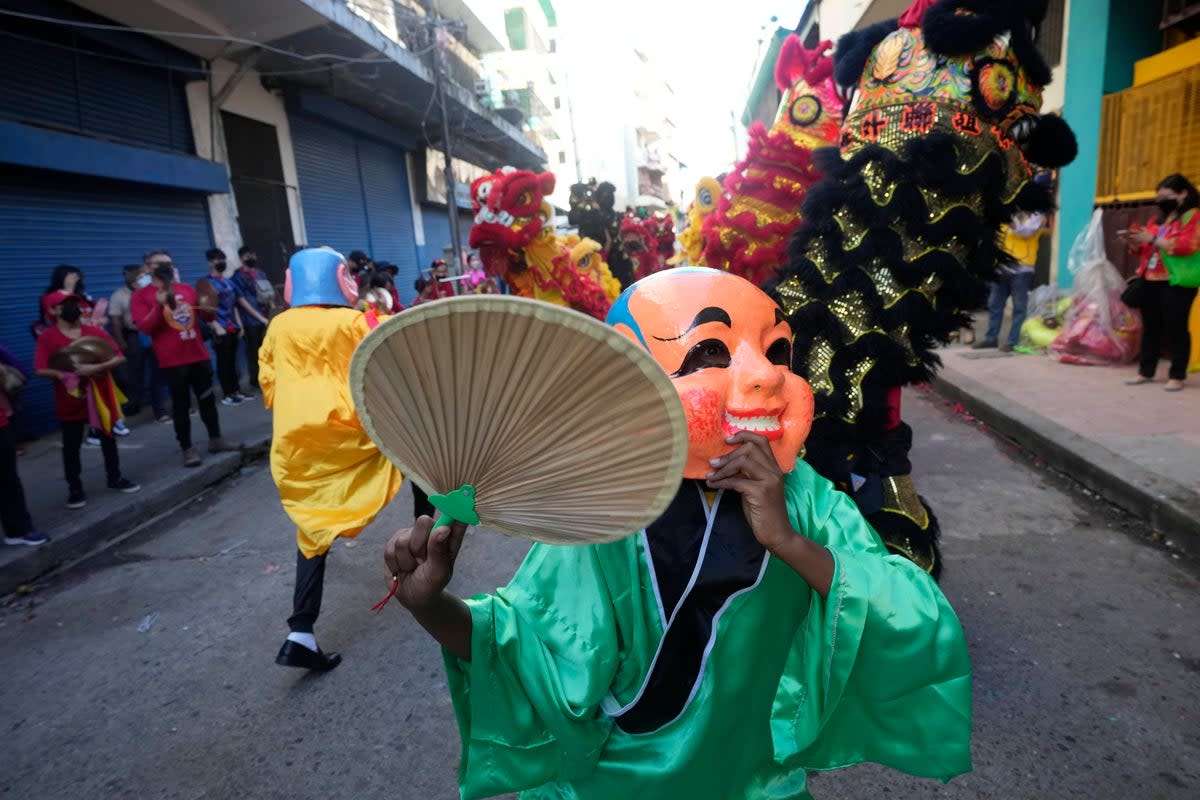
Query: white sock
pixel 306 639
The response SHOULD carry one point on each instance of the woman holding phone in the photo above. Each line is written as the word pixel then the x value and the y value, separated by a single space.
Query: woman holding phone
pixel 1169 261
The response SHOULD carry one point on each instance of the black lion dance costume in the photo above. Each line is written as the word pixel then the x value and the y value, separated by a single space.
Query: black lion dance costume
pixel 901 233
pixel 592 211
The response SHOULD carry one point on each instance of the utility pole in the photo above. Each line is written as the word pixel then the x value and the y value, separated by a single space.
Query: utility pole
pixel 442 40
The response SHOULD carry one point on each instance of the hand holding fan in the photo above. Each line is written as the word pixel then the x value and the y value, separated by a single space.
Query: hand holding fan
pixel 529 418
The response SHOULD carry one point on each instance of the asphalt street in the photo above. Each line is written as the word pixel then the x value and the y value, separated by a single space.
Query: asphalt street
pixel 147 671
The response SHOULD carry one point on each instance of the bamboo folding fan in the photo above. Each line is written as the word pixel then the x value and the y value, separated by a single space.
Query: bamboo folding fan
pixel 529 418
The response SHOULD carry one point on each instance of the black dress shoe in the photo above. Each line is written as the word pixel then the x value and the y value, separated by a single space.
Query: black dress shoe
pixel 293 654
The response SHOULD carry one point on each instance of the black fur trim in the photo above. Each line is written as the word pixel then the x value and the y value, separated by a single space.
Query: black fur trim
pixel 951 33
pixel 1052 143
pixel 1034 10
pixel 854 48
pixel 1030 58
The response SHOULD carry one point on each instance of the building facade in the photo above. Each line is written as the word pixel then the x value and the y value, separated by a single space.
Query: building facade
pixel 137 125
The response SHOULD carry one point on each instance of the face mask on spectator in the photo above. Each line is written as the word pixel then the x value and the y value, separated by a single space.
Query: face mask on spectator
pixel 251 261
pixel 219 266
pixel 142 282
pixel 70 313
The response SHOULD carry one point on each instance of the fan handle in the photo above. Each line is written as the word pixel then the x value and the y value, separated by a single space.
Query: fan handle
pixel 456 506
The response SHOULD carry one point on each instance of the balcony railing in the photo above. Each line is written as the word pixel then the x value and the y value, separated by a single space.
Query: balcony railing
pixel 1147 133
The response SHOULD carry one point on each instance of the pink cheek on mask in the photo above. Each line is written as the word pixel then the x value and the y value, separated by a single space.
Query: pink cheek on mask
pixel 704 415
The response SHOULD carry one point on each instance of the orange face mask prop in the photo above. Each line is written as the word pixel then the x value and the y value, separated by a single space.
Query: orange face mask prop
pixel 728 350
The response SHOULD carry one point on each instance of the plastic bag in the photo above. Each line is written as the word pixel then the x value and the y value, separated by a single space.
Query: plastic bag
pixel 1097 327
pixel 1043 322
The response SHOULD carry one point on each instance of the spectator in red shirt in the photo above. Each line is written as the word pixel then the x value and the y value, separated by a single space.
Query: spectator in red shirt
pixel 74 399
pixel 166 311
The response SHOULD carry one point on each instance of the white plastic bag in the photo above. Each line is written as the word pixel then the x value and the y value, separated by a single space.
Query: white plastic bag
pixel 1098 328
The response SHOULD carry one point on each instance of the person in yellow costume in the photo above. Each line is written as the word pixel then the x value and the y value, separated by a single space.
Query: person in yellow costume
pixel 332 479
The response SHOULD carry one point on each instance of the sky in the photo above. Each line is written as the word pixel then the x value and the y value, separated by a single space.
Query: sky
pixel 706 52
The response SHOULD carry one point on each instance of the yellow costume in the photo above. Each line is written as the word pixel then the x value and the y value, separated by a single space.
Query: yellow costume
pixel 704 202
pixel 332 478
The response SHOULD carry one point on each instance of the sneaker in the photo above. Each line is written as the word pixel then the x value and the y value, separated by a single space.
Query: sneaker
pixel 120 429
pixel 191 458
pixel 125 486
pixel 32 539
pixel 241 398
pixel 76 499
pixel 248 394
pixel 230 400
pixel 165 418
pixel 984 344
pixel 92 441
pixel 221 445
pixel 1006 348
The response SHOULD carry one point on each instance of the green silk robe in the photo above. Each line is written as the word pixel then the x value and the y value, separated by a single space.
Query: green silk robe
pixel 788 682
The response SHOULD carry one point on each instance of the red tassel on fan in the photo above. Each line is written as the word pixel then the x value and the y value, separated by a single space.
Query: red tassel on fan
pixel 383 603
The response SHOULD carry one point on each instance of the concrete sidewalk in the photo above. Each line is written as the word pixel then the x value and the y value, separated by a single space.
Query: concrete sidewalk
pixel 151 457
pixel 1136 446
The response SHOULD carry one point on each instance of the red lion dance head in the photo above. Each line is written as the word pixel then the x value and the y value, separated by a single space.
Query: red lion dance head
pixel 760 207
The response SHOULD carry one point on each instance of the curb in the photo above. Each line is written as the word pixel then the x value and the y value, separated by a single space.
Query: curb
pixel 1169 507
pixel 144 506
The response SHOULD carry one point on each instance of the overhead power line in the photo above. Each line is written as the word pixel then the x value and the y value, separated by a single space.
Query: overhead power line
pixel 209 37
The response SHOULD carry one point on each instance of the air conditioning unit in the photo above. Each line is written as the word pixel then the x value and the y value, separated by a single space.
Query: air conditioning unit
pixel 482 89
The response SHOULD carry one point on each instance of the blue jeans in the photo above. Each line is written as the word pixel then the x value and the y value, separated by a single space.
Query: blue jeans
pixel 1016 284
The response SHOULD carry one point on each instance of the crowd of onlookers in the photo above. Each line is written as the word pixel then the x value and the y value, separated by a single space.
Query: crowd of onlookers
pixel 147 346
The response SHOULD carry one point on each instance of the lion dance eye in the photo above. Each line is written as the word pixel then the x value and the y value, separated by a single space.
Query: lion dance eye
pixel 706 197
pixel 995 85
pixel 585 262
pixel 805 110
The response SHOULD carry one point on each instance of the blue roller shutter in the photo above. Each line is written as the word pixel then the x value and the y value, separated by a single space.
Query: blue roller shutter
pixel 389 208
pixel 330 187
pixel 99 226
pixel 354 193
pixel 100 92
pixel 437 232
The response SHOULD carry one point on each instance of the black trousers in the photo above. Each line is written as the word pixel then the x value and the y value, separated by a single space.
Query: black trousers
pixel 226 350
pixel 306 600
pixel 72 440
pixel 1165 310
pixel 184 380
pixel 14 513
pixel 131 376
pixel 253 337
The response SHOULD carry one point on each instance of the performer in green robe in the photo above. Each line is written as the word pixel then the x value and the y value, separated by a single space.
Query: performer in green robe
pixel 758 630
